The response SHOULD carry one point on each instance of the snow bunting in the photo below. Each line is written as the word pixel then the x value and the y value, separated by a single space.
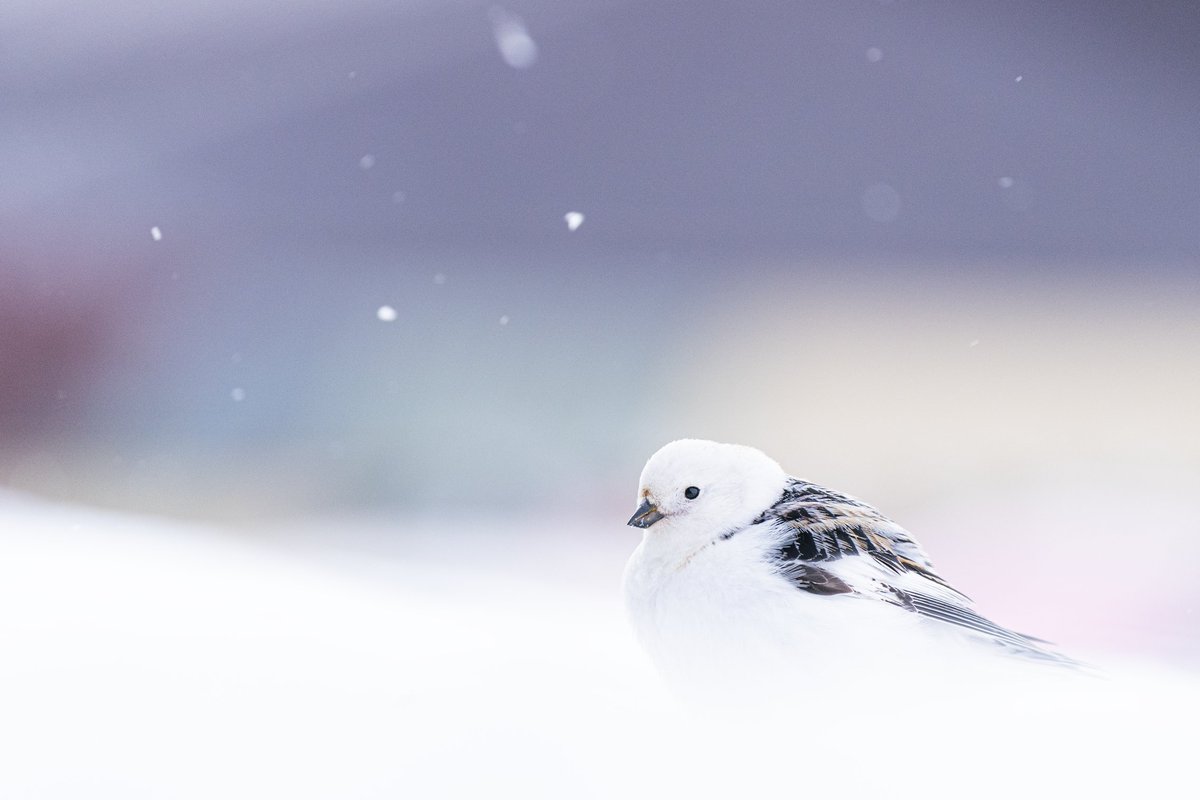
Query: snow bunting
pixel 740 564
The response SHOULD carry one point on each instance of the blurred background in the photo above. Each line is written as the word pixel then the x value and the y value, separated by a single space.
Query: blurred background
pixel 427 282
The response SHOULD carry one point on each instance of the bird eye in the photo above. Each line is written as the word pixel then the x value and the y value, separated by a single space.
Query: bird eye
pixel 691 493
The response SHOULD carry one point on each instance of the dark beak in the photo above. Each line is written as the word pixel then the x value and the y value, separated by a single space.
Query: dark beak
pixel 645 516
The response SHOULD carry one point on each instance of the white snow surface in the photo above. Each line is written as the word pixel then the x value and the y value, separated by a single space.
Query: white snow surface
pixel 146 658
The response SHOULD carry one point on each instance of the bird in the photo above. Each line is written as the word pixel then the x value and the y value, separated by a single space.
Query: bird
pixel 745 569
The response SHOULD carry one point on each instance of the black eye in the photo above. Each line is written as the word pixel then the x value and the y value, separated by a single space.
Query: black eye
pixel 691 493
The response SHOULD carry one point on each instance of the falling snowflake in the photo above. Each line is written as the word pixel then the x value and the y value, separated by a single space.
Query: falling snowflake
pixel 574 220
pixel 386 314
pixel 516 46
pixel 156 234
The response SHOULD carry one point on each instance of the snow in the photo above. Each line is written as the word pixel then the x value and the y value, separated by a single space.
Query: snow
pixel 1005 182
pixel 156 234
pixel 461 657
pixel 504 319
pixel 574 220
pixel 874 54
pixel 238 394
pixel 146 658
pixel 516 46
pixel 386 314
pixel 439 278
pixel 366 162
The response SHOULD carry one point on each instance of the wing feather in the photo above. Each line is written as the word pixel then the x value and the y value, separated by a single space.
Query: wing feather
pixel 828 525
pixel 831 543
pixel 969 620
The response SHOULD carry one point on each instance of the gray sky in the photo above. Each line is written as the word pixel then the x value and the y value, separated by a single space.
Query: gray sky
pixel 710 126
pixel 306 163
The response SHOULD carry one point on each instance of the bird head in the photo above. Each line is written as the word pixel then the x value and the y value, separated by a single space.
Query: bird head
pixel 697 488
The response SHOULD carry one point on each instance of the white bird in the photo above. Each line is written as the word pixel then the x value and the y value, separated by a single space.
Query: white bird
pixel 743 568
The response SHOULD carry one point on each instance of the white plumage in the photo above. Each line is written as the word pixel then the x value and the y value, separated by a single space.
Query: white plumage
pixel 743 570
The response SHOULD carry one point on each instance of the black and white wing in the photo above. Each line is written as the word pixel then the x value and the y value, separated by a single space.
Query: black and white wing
pixel 831 544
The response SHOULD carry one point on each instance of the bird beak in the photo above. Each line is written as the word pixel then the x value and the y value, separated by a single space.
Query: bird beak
pixel 645 516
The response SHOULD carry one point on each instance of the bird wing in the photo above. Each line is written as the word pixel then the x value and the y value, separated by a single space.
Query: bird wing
pixel 830 543
pixel 823 525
